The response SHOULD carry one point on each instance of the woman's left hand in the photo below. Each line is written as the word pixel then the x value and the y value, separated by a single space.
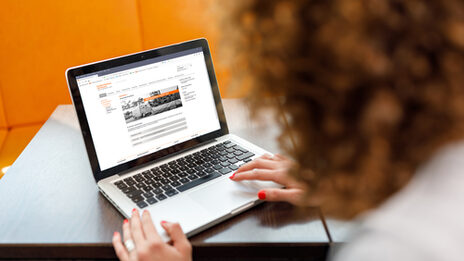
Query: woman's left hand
pixel 145 243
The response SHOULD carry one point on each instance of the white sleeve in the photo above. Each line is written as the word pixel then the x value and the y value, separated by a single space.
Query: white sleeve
pixel 375 246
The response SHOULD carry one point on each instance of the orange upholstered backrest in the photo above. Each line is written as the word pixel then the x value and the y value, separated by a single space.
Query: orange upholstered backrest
pixel 40 39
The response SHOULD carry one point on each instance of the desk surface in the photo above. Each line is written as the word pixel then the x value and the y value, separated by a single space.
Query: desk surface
pixel 49 199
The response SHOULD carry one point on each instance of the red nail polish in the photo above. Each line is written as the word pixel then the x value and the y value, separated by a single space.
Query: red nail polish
pixel 115 233
pixel 133 210
pixel 262 195
pixel 163 222
pixel 231 177
pixel 126 221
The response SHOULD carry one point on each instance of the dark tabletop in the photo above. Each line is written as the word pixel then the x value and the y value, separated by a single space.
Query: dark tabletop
pixel 51 206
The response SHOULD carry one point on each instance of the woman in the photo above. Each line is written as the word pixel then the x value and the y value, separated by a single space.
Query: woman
pixel 372 90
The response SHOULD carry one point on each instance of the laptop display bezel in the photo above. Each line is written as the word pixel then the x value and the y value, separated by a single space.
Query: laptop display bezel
pixel 74 72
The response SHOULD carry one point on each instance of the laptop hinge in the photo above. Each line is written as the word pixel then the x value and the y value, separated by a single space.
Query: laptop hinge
pixel 165 157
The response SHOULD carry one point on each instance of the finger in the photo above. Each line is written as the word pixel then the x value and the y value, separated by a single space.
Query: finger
pixel 127 235
pixel 278 156
pixel 149 228
pixel 267 156
pixel 294 196
pixel 179 240
pixel 258 163
pixel 258 174
pixel 136 228
pixel 119 248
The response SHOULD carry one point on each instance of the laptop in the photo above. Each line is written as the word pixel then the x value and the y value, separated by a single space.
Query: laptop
pixel 157 138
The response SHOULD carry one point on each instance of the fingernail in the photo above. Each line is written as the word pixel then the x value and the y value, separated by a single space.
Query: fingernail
pixel 145 211
pixel 262 195
pixel 231 177
pixel 163 222
pixel 115 233
pixel 126 221
pixel 133 210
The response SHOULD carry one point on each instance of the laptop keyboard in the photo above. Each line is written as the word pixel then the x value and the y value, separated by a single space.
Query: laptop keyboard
pixel 159 183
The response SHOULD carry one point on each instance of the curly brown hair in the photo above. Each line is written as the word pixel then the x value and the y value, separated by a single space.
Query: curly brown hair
pixel 371 88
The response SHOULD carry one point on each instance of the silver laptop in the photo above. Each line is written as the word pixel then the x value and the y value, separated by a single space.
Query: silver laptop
pixel 157 137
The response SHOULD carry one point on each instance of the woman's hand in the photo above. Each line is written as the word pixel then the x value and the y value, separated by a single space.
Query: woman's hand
pixel 272 168
pixel 144 242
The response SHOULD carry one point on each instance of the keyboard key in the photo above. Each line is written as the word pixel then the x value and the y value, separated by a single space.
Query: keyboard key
pixel 137 199
pixel 147 194
pixel 166 187
pixel 233 167
pixel 247 160
pixel 176 183
pixel 171 192
pixel 230 150
pixel 198 168
pixel 201 173
pixel 233 161
pixel 146 188
pixel 229 145
pixel 157 191
pixel 134 193
pixel 184 180
pixel 218 166
pixel 225 171
pixel 225 163
pixel 192 177
pixel 151 201
pixel 198 181
pixel 142 204
pixel 240 149
pixel 121 185
pixel 128 189
pixel 230 156
pixel 161 197
pixel 150 182
pixel 245 156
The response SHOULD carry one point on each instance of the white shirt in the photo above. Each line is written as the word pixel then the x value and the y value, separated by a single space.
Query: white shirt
pixel 424 221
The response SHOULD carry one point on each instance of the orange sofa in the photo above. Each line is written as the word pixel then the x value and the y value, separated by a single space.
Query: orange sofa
pixel 40 39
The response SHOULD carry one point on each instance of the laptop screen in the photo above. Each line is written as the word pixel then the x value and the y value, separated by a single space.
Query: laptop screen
pixel 139 108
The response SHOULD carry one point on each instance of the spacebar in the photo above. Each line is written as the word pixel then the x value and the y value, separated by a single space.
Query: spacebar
pixel 198 181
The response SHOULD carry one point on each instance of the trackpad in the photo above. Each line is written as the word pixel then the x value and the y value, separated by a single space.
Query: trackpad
pixel 225 195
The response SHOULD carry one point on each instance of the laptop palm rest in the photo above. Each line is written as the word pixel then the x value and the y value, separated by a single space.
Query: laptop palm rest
pixel 212 201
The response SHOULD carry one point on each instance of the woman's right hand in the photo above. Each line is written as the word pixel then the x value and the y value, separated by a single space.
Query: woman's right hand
pixel 272 168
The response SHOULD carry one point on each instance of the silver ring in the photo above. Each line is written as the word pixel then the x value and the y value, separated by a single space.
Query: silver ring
pixel 129 245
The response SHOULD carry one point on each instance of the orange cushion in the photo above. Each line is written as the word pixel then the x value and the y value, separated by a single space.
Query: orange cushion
pixel 40 39
pixel 3 123
pixel 14 142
